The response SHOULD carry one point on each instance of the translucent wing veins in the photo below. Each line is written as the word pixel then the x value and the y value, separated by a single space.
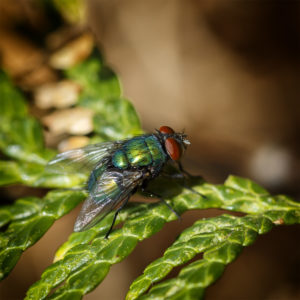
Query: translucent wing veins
pixel 82 159
pixel 112 187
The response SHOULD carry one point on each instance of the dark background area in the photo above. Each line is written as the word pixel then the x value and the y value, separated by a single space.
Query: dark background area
pixel 228 72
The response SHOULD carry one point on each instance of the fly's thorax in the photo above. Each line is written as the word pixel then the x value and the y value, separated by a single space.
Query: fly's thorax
pixel 137 152
pixel 157 152
pixel 143 151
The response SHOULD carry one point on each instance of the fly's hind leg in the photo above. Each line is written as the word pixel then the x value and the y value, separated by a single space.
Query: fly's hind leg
pixel 153 195
pixel 115 216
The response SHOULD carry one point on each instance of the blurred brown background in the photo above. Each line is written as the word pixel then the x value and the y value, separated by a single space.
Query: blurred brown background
pixel 228 72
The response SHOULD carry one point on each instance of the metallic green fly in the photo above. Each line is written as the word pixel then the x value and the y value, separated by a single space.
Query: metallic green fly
pixel 118 168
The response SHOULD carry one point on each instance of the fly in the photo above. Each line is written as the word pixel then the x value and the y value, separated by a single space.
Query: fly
pixel 118 168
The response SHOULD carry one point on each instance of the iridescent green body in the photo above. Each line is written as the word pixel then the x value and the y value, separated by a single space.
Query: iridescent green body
pixel 143 151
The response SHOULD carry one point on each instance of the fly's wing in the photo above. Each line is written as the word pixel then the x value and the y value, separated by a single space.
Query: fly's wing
pixel 113 187
pixel 82 160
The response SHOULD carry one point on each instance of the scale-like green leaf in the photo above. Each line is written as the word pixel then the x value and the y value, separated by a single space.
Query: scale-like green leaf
pixel 115 117
pixel 98 81
pixel 119 119
pixel 21 136
pixel 21 139
pixel 12 102
pixel 73 11
pixel 220 239
pixel 27 220
pixel 88 251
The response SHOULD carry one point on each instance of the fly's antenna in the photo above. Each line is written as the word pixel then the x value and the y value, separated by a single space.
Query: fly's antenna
pixel 182 139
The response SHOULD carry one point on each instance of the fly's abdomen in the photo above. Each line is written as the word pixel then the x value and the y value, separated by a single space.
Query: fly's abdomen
pixel 109 186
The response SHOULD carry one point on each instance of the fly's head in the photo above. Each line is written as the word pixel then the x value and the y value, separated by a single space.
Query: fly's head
pixel 173 142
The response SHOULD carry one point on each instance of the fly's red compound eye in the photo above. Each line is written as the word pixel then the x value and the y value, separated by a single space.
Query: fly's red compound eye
pixel 173 148
pixel 166 129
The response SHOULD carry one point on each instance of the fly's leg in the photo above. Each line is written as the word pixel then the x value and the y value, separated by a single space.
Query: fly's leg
pixel 184 184
pixel 153 195
pixel 115 216
pixel 185 175
pixel 183 171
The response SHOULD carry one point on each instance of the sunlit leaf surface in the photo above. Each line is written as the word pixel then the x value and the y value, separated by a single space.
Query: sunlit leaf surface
pixel 84 260
pixel 26 221
pixel 115 117
pixel 21 140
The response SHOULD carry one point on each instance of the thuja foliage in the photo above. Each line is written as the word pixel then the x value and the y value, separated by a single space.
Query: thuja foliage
pixel 83 261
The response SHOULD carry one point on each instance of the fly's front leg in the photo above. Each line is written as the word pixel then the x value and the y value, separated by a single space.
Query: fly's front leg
pixel 153 195
pixel 184 175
